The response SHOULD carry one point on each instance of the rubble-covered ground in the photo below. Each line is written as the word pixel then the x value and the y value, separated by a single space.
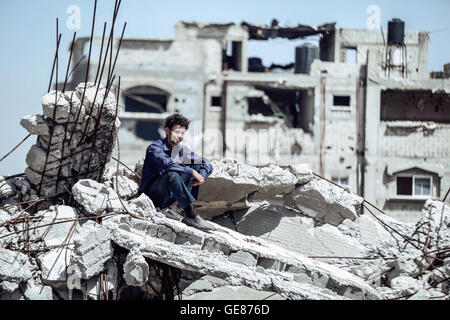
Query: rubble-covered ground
pixel 281 233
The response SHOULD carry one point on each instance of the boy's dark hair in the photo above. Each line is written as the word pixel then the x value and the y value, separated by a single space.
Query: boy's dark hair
pixel 177 119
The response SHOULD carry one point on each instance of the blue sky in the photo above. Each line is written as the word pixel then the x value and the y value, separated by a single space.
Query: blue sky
pixel 27 32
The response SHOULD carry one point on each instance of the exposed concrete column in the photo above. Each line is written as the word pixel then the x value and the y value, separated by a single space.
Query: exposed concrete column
pixel 337 46
pixel 423 55
pixel 372 119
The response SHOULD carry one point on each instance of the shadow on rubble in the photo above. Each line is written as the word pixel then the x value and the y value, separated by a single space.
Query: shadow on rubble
pixel 258 222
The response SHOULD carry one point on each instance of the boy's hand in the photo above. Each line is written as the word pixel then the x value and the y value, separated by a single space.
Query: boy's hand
pixel 198 178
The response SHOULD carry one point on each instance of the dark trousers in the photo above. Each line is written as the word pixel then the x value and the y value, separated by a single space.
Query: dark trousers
pixel 174 186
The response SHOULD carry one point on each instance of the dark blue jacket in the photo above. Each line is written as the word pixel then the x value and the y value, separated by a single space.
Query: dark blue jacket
pixel 159 159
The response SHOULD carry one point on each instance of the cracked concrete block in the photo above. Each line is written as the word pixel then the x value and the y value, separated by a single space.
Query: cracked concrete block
pixel 35 291
pixel 212 244
pixel 222 186
pixel 406 284
pixel 439 212
pixel 142 206
pixel 136 269
pixel 6 189
pixel 14 266
pixel 242 257
pixel 420 295
pixel 268 263
pixel 233 293
pixel 53 265
pixel 209 259
pixel 325 202
pixel 92 248
pixel 36 157
pixel 16 295
pixel 302 171
pixel 56 107
pixel 54 235
pixel 35 124
pixel 8 286
pixel 276 181
pixel 91 195
pixel 127 187
pixel 93 106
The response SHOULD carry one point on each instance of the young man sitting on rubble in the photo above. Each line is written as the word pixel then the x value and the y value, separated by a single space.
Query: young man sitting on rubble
pixel 172 172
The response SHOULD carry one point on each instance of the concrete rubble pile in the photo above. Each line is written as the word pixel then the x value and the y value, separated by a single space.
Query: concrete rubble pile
pixel 263 250
pixel 75 138
pixel 281 234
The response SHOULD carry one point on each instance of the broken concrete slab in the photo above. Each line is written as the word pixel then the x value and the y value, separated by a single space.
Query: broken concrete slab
pixel 14 266
pixel 276 181
pixel 91 195
pixel 92 248
pixel 135 269
pixel 8 286
pixel 54 264
pixel 302 171
pixel 127 187
pixel 35 124
pixel 142 206
pixel 223 186
pixel 57 230
pixel 56 107
pixel 293 231
pixel 230 293
pixel 325 202
pixel 33 291
pixel 6 189
pixel 406 285
pixel 205 260
pixel 439 213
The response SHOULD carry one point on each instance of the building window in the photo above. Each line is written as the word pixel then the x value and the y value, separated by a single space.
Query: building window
pixel 342 181
pixel 341 101
pixel 216 101
pixel 418 186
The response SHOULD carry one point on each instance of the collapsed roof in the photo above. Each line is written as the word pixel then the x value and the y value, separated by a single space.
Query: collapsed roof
pixel 260 32
pixel 265 32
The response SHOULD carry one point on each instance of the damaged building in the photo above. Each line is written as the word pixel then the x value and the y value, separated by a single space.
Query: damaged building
pixel 74 226
pixel 359 106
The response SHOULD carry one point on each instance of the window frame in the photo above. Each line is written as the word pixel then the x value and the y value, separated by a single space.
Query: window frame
pixel 414 177
pixel 341 108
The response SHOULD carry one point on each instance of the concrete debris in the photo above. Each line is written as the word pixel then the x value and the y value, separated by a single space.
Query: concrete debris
pixel 35 291
pixel 260 250
pixel 35 124
pixel 135 269
pixel 226 254
pixel 302 171
pixel 74 141
pixel 91 195
pixel 280 233
pixel 406 285
pixel 92 248
pixel 236 183
pixel 15 266
pixel 324 201
pixel 54 264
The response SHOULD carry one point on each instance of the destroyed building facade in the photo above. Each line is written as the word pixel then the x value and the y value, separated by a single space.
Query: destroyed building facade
pixel 361 107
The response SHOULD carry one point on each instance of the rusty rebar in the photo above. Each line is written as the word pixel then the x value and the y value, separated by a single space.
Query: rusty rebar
pixel 13 149
pixel 54 63
pixel 68 63
pixel 101 53
pixel 59 222
pixel 117 179
pixel 87 70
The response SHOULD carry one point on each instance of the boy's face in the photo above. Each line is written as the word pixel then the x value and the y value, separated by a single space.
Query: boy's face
pixel 175 135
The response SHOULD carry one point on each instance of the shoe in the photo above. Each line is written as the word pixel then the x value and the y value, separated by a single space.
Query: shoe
pixel 199 223
pixel 171 214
